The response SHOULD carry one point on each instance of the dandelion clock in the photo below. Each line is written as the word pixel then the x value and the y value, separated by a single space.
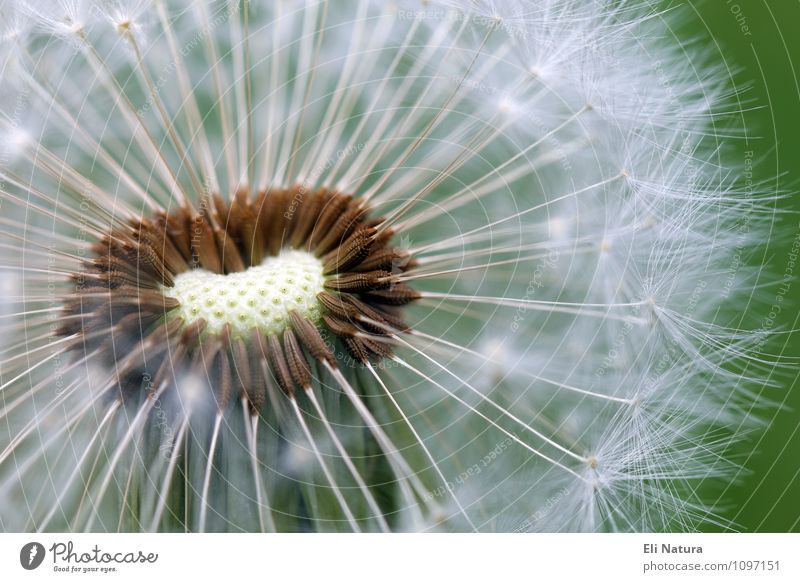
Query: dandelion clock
pixel 328 266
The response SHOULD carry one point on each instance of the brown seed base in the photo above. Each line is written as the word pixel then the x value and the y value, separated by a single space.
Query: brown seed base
pixel 118 310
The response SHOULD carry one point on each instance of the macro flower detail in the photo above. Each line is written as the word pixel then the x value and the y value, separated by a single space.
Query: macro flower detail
pixel 321 265
pixel 222 288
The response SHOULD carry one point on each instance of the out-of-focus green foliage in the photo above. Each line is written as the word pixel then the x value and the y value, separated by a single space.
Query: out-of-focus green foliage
pixel 759 42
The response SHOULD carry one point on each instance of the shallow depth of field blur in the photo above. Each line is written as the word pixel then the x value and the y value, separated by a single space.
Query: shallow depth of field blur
pixel 759 38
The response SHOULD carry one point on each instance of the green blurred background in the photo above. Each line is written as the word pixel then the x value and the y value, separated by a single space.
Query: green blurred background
pixel 759 40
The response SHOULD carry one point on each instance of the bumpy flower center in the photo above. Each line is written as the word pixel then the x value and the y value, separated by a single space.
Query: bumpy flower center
pixel 249 284
pixel 260 297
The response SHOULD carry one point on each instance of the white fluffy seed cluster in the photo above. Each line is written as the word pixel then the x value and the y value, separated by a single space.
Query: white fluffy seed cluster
pixel 569 174
pixel 260 297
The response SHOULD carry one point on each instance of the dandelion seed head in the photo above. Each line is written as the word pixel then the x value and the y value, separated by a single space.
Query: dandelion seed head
pixel 13 25
pixel 394 266
pixel 14 143
pixel 130 19
pixel 65 18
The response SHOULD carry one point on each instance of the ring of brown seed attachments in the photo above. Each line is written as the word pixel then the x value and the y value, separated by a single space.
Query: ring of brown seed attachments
pixel 120 312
